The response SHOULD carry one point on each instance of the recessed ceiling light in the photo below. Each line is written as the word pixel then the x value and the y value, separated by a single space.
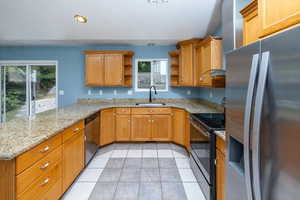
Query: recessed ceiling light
pixel 81 19
pixel 157 1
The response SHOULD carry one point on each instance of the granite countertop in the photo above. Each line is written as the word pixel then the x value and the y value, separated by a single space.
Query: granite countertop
pixel 221 134
pixel 19 135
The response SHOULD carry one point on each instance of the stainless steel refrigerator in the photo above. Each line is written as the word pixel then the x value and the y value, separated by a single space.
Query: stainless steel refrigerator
pixel 263 119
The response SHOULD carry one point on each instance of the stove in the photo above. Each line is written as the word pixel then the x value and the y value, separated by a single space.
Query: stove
pixel 203 149
pixel 211 121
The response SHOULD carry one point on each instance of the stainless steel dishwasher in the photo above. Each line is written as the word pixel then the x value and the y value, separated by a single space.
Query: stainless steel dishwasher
pixel 91 136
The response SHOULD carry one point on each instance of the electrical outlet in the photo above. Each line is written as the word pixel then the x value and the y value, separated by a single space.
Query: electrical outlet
pixel 129 92
pixel 89 92
pixel 61 92
pixel 115 92
pixel 189 92
pixel 100 92
pixel 210 94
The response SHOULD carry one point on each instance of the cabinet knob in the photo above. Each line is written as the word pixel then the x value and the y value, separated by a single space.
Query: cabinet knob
pixel 152 121
pixel 149 120
pixel 129 120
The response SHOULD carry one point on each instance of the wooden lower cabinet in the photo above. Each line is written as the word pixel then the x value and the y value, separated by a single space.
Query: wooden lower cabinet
pixel 123 127
pixel 141 128
pixel 220 168
pixel 161 128
pixel 45 187
pixel 178 126
pixel 107 127
pixel 73 158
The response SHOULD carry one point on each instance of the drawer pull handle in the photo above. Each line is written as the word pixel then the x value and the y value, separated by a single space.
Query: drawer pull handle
pixel 44 149
pixel 44 166
pixel 76 130
pixel 45 182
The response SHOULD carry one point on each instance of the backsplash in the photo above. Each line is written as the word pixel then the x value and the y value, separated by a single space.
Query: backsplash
pixel 71 72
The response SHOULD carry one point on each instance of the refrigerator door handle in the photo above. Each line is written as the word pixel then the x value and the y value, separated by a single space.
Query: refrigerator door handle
pixel 247 116
pixel 262 80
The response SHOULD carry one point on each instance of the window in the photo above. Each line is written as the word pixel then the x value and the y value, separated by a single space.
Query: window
pixel 27 88
pixel 150 72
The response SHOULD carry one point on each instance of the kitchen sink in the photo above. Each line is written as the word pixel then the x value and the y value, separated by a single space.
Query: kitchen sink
pixel 150 104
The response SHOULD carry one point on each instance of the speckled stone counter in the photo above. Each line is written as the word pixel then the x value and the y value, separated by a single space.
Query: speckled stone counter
pixel 19 135
pixel 221 134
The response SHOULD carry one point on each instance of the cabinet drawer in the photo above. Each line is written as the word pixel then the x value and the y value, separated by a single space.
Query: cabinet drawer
pixel 41 186
pixel 221 145
pixel 147 111
pixel 28 158
pixel 72 130
pixel 39 168
pixel 123 111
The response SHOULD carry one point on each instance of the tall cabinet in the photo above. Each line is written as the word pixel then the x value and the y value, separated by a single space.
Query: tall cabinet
pixel 108 68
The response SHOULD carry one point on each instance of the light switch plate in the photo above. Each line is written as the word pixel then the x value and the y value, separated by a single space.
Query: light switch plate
pixel 189 92
pixel 129 92
pixel 100 92
pixel 115 92
pixel 89 92
pixel 61 92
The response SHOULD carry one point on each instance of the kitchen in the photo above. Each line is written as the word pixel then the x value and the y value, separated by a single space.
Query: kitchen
pixel 94 108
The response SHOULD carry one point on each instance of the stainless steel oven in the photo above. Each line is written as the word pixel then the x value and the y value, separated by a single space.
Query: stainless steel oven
pixel 203 150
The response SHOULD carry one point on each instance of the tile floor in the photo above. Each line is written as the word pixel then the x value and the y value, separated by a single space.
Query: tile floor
pixel 145 171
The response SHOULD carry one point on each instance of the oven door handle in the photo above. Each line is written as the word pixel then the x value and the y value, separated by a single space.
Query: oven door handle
pixel 195 125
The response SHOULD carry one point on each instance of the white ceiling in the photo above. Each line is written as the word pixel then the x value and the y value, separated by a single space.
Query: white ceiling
pixel 133 22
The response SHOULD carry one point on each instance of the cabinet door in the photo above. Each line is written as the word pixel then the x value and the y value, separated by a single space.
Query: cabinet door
pixel 123 127
pixel 205 78
pixel 141 128
pixel 186 65
pixel 161 127
pixel 113 70
pixel 178 126
pixel 94 70
pixel 73 158
pixel 277 15
pixel 220 171
pixel 107 127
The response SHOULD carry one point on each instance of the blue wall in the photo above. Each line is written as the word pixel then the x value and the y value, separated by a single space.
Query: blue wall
pixel 71 71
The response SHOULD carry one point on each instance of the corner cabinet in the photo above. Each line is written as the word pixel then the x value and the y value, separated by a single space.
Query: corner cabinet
pixel 107 127
pixel 108 68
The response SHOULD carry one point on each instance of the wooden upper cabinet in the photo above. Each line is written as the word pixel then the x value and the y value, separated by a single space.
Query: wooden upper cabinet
pixel 208 56
pixel 73 158
pixel 141 127
pixel 251 23
pixel 107 127
pixel 276 15
pixel 178 126
pixel 94 69
pixel 123 127
pixel 186 65
pixel 186 61
pixel 114 73
pixel 161 129
pixel 108 68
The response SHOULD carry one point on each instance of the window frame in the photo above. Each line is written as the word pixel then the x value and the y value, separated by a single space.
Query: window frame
pixel 136 89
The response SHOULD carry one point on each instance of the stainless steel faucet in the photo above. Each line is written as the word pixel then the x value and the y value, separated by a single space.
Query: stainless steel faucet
pixel 150 94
